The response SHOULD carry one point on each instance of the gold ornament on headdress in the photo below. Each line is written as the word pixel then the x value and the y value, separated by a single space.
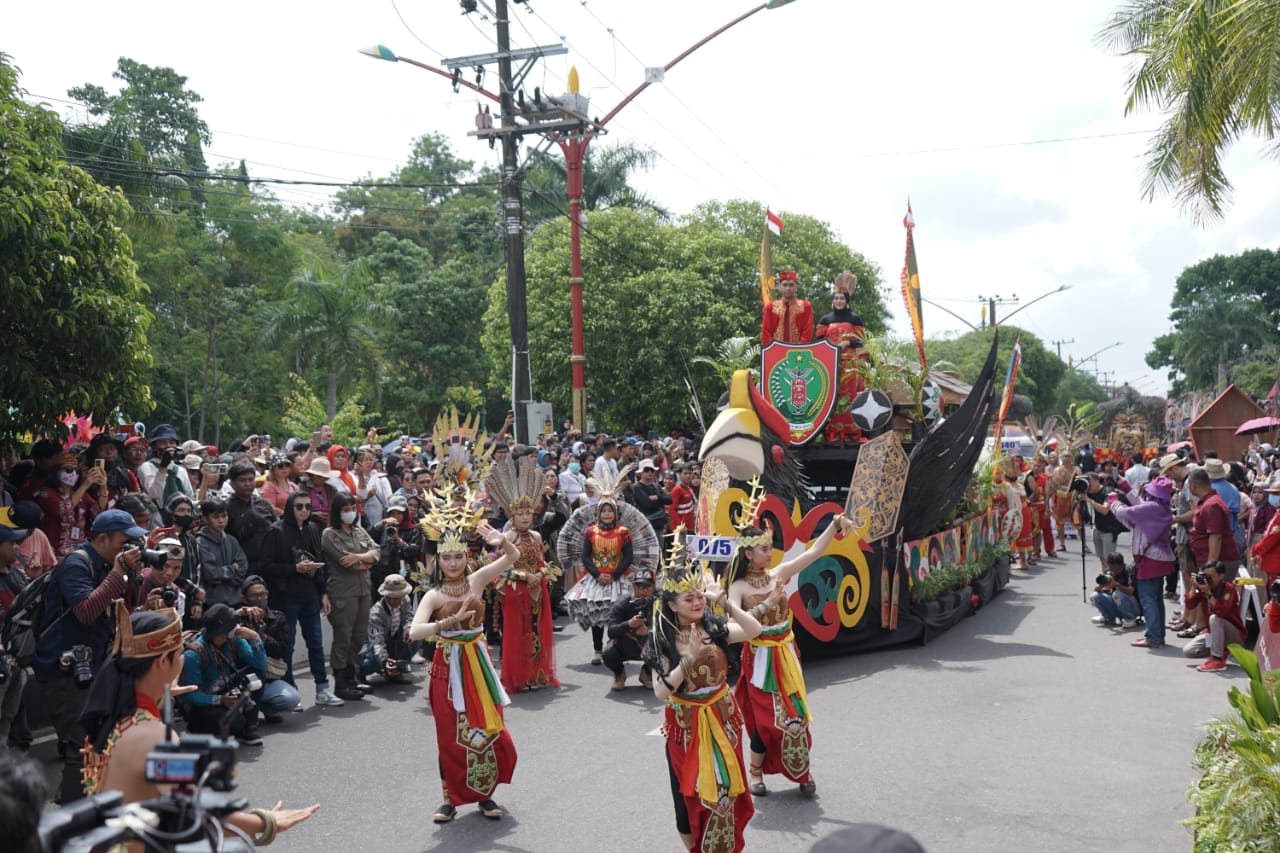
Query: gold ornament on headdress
pixel 129 645
pixel 750 516
pixel 676 561
pixel 515 485
pixel 451 518
pixel 463 450
pixel 608 487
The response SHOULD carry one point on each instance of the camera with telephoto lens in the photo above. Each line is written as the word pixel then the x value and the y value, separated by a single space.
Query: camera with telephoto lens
pixel 245 681
pixel 1202 579
pixel 1080 485
pixel 1103 579
pixel 169 596
pixel 78 660
pixel 149 556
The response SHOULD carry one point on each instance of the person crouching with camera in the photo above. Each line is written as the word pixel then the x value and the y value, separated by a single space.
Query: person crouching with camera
pixel 222 666
pixel 388 651
pixel 75 629
pixel 628 628
pixel 123 721
pixel 1218 594
pixel 276 695
pixel 1115 595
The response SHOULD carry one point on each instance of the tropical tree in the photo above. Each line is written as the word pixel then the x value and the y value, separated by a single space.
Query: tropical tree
pixel 1212 67
pixel 606 182
pixel 74 325
pixel 326 321
pixel 1038 377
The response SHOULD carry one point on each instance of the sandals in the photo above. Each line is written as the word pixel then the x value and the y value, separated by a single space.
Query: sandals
pixel 1144 643
pixel 757 787
pixel 1189 633
pixel 1179 625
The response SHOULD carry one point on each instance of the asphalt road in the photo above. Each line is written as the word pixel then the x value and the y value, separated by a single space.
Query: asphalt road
pixel 1025 727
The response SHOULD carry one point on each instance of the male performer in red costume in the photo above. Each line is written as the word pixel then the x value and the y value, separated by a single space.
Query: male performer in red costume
pixel 787 319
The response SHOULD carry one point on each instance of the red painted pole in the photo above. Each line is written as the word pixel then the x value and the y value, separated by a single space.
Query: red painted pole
pixel 575 150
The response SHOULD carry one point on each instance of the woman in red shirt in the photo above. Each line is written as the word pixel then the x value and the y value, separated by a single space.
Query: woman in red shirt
pixel 68 508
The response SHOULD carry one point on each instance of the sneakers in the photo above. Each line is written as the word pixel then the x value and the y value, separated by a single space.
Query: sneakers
pixel 1102 620
pixel 417 658
pixel 1213 665
pixel 1129 623
pixel 490 809
pixel 250 738
pixel 597 659
pixel 620 681
pixel 298 709
pixel 324 697
pixel 445 813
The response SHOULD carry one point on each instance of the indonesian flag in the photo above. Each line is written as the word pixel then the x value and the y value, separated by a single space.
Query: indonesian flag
pixel 772 225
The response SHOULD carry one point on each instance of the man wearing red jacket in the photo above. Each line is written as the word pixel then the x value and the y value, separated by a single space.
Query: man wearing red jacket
pixel 1225 625
pixel 1267 549
pixel 787 318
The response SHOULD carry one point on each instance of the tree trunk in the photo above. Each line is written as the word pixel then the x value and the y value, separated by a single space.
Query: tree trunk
pixel 331 396
pixel 204 379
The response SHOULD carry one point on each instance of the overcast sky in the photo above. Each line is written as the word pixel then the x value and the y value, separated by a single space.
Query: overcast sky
pixel 1004 124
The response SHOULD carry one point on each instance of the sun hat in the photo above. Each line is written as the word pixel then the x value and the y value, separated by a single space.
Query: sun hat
pixel 395 586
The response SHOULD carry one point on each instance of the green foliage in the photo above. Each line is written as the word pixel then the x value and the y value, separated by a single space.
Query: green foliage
pixel 1038 377
pixel 66 270
pixel 1237 799
pixel 894 365
pixel 606 174
pixel 1225 314
pixel 734 354
pixel 304 413
pixel 946 578
pixel 658 295
pixel 1076 386
pixel 1209 68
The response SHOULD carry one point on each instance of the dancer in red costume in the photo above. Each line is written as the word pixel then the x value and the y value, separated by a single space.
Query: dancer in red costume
pixel 528 658
pixel 844 329
pixel 787 318
pixel 606 558
pixel 702 725
pixel 771 690
pixel 476 752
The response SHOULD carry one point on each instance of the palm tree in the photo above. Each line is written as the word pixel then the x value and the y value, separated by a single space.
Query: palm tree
pixel 1213 68
pixel 327 320
pixel 606 183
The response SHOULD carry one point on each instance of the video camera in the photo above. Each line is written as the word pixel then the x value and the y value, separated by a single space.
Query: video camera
pixel 1080 485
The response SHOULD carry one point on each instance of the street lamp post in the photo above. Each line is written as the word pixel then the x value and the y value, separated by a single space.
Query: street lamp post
pixel 1059 289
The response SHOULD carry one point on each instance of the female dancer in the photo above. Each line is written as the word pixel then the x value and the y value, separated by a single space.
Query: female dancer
pixel 606 558
pixel 527 637
pixel 845 330
pixel 703 727
pixel 771 689
pixel 476 752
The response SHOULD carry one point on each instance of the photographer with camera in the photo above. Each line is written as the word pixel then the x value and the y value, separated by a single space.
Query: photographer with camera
pixel 123 720
pixel 222 665
pixel 628 626
pixel 162 583
pixel 276 694
pixel 163 477
pixel 1092 495
pixel 1115 595
pixel 1217 594
pixel 75 628
pixel 388 650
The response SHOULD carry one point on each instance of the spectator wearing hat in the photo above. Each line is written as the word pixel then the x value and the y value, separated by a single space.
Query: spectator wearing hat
pixel 1267 549
pixel 388 650
pixel 223 564
pixel 296 582
pixel 76 624
pixel 650 498
pixel 132 458
pixel 1153 558
pixel 107 450
pixel 788 318
pixel 279 483
pixel 276 694
pixel 1174 467
pixel 316 484
pixel 630 619
pixel 400 542
pixel 12 581
pixel 211 666
pixel 164 586
pixel 1220 478
pixel 66 505
pixel 35 554
pixel 162 476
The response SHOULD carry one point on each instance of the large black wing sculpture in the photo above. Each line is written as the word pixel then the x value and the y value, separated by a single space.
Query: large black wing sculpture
pixel 942 462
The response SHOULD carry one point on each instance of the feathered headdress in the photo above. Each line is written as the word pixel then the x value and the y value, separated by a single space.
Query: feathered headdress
pixel 463 450
pixel 515 485
pixel 451 518
pixel 679 573
pixel 608 487
pixel 128 645
pixel 845 283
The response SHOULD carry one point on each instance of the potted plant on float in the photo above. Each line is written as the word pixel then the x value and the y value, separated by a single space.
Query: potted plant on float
pixel 946 595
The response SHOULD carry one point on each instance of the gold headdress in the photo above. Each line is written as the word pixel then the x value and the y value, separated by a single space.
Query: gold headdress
pixel 750 517
pixel 128 645
pixel 515 485
pixel 451 518
pixel 678 574
pixel 463 450
pixel 845 283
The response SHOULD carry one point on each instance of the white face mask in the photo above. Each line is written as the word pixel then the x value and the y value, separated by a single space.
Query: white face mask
pixel 1274 500
pixel 349 517
pixel 68 478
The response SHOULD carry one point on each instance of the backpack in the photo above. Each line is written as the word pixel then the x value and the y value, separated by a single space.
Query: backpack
pixel 19 633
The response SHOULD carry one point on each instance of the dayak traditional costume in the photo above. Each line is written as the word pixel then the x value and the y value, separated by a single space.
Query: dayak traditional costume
pixel 528 658
pixel 789 321
pixel 840 327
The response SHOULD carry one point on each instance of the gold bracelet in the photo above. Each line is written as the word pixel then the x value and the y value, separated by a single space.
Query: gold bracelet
pixel 269 828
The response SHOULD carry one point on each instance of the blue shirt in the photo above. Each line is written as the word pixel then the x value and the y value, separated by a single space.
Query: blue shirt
pixel 1231 497
pixel 210 668
pixel 78 609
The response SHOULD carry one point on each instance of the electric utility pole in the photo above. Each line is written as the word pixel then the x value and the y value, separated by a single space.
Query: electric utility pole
pixel 1059 344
